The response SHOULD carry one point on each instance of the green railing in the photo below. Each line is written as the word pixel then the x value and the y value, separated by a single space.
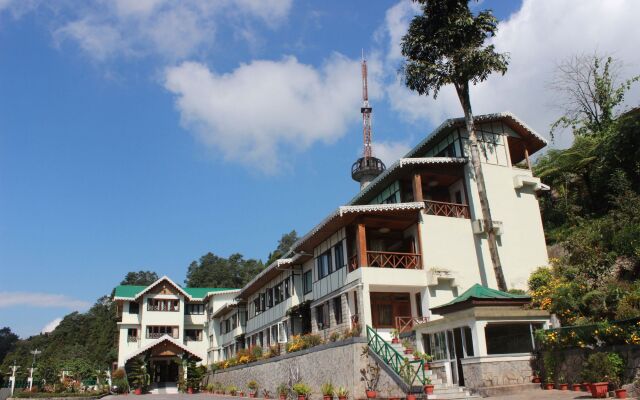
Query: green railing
pixel 408 370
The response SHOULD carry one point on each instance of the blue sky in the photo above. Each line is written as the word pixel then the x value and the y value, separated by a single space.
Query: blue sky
pixel 143 134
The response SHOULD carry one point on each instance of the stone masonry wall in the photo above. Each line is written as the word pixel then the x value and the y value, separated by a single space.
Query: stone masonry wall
pixel 570 362
pixel 338 363
pixel 497 373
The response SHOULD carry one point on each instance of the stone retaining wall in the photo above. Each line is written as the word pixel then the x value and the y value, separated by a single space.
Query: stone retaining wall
pixel 570 361
pixel 492 374
pixel 338 363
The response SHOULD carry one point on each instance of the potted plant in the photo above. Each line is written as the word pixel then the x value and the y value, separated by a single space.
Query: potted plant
pixel 621 393
pixel 327 391
pixel 370 374
pixel 426 358
pixel 600 369
pixel 266 394
pixel 342 393
pixel 408 346
pixel 576 387
pixel 138 376
pixel 411 396
pixel 232 390
pixel 428 386
pixel 283 391
pixel 536 377
pixel 395 336
pixel 253 388
pixel 562 385
pixel 302 390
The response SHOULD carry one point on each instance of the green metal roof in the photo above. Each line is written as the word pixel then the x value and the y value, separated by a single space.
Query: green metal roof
pixel 131 291
pixel 478 291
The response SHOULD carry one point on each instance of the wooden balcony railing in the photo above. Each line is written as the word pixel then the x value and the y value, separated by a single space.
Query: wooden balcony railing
pixel 385 259
pixel 157 335
pixel 442 209
pixel 353 263
pixel 406 324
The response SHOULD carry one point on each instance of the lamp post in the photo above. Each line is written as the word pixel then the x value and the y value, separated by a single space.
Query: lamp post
pixel 12 379
pixel 33 367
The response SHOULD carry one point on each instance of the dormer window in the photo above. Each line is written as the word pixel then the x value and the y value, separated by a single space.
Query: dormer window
pixel 134 308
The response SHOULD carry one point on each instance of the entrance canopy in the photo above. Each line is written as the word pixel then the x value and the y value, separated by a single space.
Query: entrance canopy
pixel 165 346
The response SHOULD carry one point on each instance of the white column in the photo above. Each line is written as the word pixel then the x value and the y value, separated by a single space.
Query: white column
pixel 366 307
pixel 30 380
pixel 479 339
pixel 424 297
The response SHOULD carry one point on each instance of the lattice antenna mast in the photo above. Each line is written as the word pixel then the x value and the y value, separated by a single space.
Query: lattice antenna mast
pixel 366 111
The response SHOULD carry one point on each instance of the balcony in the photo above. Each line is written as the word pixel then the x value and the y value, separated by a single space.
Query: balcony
pixel 387 259
pixel 445 209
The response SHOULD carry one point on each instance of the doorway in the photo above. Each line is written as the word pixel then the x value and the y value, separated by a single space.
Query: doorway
pixel 385 307
pixel 165 371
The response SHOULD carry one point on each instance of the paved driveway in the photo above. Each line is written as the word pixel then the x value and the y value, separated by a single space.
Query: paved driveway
pixel 533 394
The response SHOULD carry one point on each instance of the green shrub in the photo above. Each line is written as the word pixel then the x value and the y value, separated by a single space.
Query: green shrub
pixel 603 367
pixel 301 389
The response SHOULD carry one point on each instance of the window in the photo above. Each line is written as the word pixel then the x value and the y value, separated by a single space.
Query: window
pixel 322 316
pixel 193 335
pixel 163 305
pixel 194 309
pixel 468 341
pixel 262 302
pixel 323 263
pixel 282 332
pixel 269 297
pixel 510 338
pixel 278 293
pixel 287 288
pixel 154 332
pixel 256 305
pixel 337 309
pixel 307 280
pixel 134 308
pixel 132 333
pixel 339 256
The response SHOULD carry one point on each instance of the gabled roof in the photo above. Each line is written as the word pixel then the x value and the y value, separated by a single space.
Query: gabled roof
pixel 133 292
pixel 481 295
pixel 163 338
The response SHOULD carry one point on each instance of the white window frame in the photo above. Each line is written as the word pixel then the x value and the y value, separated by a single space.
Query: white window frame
pixel 282 332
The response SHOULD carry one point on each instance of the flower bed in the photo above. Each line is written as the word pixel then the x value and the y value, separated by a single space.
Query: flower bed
pixel 591 336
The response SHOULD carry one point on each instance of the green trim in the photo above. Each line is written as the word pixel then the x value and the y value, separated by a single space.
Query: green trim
pixel 478 291
pixel 408 370
pixel 131 291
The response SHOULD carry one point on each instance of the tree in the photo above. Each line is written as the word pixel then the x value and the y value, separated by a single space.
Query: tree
pixel 215 271
pixel 141 278
pixel 7 340
pixel 284 244
pixel 446 45
pixel 591 93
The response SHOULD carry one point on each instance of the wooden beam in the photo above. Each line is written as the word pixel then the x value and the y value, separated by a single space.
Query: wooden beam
pixel 417 187
pixel 526 156
pixel 361 242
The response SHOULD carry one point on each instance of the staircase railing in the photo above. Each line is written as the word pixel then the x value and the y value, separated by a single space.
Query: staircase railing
pixel 408 370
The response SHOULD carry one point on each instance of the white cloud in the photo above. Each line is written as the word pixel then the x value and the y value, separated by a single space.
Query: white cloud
pixel 263 110
pixel 172 29
pixel 41 300
pixel 538 36
pixel 390 152
pixel 51 326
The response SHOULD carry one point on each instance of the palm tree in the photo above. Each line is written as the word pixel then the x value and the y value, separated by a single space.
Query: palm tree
pixel 445 45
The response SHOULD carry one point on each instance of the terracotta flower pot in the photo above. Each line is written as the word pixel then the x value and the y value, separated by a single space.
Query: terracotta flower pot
pixel 302 397
pixel 411 396
pixel 339 398
pixel 599 389
pixel 426 366
pixel 138 391
pixel 408 351
pixel 586 387
pixel 621 393
pixel 371 394
pixel 326 397
pixel 428 389
pixel 190 390
pixel 283 397
pixel 563 386
pixel 535 379
pixel 395 340
pixel 548 386
pixel 252 395
pixel 576 387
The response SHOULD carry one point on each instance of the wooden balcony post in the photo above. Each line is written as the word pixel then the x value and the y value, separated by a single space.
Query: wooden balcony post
pixel 361 242
pixel 417 187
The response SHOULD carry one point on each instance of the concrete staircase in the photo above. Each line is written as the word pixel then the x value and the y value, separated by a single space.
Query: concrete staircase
pixel 164 388
pixel 441 390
